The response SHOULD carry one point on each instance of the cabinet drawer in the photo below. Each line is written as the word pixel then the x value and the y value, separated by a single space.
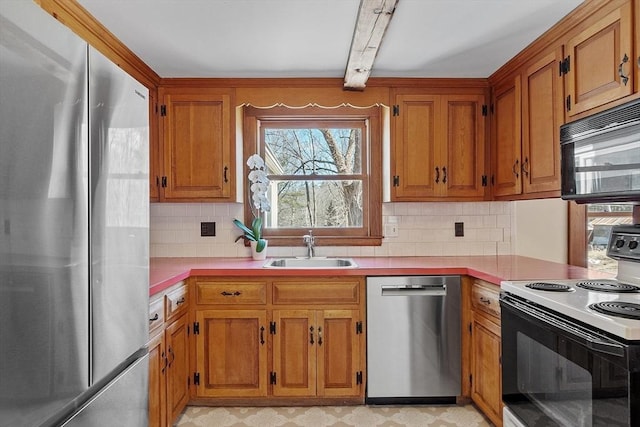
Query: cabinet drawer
pixel 231 293
pixel 156 315
pixel 305 292
pixel 176 302
pixel 486 297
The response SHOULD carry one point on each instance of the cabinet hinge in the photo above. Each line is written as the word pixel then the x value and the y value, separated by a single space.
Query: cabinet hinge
pixel 359 377
pixel 470 329
pixel 568 102
pixel 272 378
pixel 396 110
pixel 565 66
pixel 358 327
pixel 163 110
pixel 470 379
pixel 196 328
pixel 484 180
pixel 272 328
pixel 485 110
pixel 396 180
pixel 164 182
pixel 196 378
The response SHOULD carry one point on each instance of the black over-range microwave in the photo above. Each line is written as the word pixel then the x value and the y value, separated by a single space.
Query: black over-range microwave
pixel 601 156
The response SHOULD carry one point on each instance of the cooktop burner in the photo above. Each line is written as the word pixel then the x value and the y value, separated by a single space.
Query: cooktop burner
pixel 552 287
pixel 627 310
pixel 607 286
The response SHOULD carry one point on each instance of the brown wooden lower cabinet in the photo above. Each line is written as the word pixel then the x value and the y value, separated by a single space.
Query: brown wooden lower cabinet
pixel 168 373
pixel 168 356
pixel 315 353
pixel 486 375
pixel 231 353
pixel 278 340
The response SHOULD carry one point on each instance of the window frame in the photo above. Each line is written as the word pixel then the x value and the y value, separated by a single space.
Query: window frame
pixel 370 234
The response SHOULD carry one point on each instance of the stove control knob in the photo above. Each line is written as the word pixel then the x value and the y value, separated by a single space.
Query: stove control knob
pixel 633 244
pixel 619 243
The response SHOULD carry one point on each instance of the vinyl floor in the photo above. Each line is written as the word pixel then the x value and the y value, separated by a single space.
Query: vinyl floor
pixel 334 416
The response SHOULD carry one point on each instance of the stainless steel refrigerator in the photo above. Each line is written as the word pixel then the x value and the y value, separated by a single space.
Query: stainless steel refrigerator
pixel 74 229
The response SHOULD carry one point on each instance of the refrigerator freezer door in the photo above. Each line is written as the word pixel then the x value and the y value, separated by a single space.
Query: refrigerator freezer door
pixel 123 402
pixel 119 214
pixel 44 303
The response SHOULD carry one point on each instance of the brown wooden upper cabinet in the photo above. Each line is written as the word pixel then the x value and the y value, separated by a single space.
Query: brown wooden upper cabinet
pixel 438 146
pixel 542 116
pixel 527 115
pixel 599 62
pixel 197 145
pixel 506 138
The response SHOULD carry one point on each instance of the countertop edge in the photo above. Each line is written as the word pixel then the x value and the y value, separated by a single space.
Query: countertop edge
pixel 165 272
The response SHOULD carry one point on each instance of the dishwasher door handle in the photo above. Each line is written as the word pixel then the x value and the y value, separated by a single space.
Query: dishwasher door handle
pixel 414 290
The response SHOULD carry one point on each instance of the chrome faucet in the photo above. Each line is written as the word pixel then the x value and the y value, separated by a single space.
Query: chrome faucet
pixel 310 241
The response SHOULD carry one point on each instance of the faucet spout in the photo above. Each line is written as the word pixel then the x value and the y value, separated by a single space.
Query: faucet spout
pixel 310 241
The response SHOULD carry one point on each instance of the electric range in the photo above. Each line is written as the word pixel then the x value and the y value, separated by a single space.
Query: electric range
pixel 571 348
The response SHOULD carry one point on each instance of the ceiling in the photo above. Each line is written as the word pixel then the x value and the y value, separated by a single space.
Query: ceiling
pixel 312 38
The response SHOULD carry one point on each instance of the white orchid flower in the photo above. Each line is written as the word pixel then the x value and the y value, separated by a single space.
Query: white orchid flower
pixel 255 162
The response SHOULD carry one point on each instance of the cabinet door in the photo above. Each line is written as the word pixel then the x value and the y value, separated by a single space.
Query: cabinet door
pixel 177 347
pixel 486 387
pixel 155 157
pixel 232 353
pixel 462 152
pixel 601 62
pixel 157 382
pixel 338 347
pixel 542 113
pixel 415 139
pixel 506 139
pixel 294 352
pixel 197 146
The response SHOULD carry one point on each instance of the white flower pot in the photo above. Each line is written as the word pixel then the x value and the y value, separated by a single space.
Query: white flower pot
pixel 259 255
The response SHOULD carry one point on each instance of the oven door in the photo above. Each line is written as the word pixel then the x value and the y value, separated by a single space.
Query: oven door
pixel 556 373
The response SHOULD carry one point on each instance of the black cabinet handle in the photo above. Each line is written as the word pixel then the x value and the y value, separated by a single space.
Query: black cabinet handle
pixel 224 174
pixel 181 301
pixel 444 178
pixel 525 167
pixel 319 335
pixel 486 301
pixel 166 362
pixel 623 78
pixel 154 318
pixel 262 335
pixel 230 294
pixel 311 335
pixel 515 168
pixel 437 174
pixel 173 356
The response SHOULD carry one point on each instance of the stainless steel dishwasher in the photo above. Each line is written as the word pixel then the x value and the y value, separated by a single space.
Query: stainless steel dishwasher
pixel 413 339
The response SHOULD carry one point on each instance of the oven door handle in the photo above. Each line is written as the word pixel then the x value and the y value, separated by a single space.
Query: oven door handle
pixel 592 341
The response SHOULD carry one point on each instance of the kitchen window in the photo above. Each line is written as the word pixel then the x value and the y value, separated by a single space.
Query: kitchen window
pixel 325 172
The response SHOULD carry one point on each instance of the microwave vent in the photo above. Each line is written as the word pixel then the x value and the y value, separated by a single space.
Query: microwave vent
pixel 622 114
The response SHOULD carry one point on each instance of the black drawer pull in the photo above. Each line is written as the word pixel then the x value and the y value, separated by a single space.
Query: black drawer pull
pixel 230 294
pixel 181 301
pixel 154 318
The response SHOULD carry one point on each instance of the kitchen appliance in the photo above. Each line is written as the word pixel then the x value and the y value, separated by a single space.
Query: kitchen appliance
pixel 413 339
pixel 601 156
pixel 571 348
pixel 74 229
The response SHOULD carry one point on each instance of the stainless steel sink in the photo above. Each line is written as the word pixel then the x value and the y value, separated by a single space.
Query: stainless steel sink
pixel 315 262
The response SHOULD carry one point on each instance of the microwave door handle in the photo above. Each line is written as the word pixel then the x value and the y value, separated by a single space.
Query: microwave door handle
pixel 592 342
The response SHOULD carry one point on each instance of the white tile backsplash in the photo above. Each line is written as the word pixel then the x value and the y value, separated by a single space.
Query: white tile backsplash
pixel 424 229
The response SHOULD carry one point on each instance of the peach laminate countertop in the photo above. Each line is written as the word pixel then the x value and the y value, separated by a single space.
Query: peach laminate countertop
pixel 165 272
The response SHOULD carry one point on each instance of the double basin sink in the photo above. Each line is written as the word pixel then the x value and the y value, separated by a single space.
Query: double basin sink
pixel 314 262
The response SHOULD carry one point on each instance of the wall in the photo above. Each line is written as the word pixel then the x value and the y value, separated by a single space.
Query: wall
pixel 424 229
pixel 540 229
